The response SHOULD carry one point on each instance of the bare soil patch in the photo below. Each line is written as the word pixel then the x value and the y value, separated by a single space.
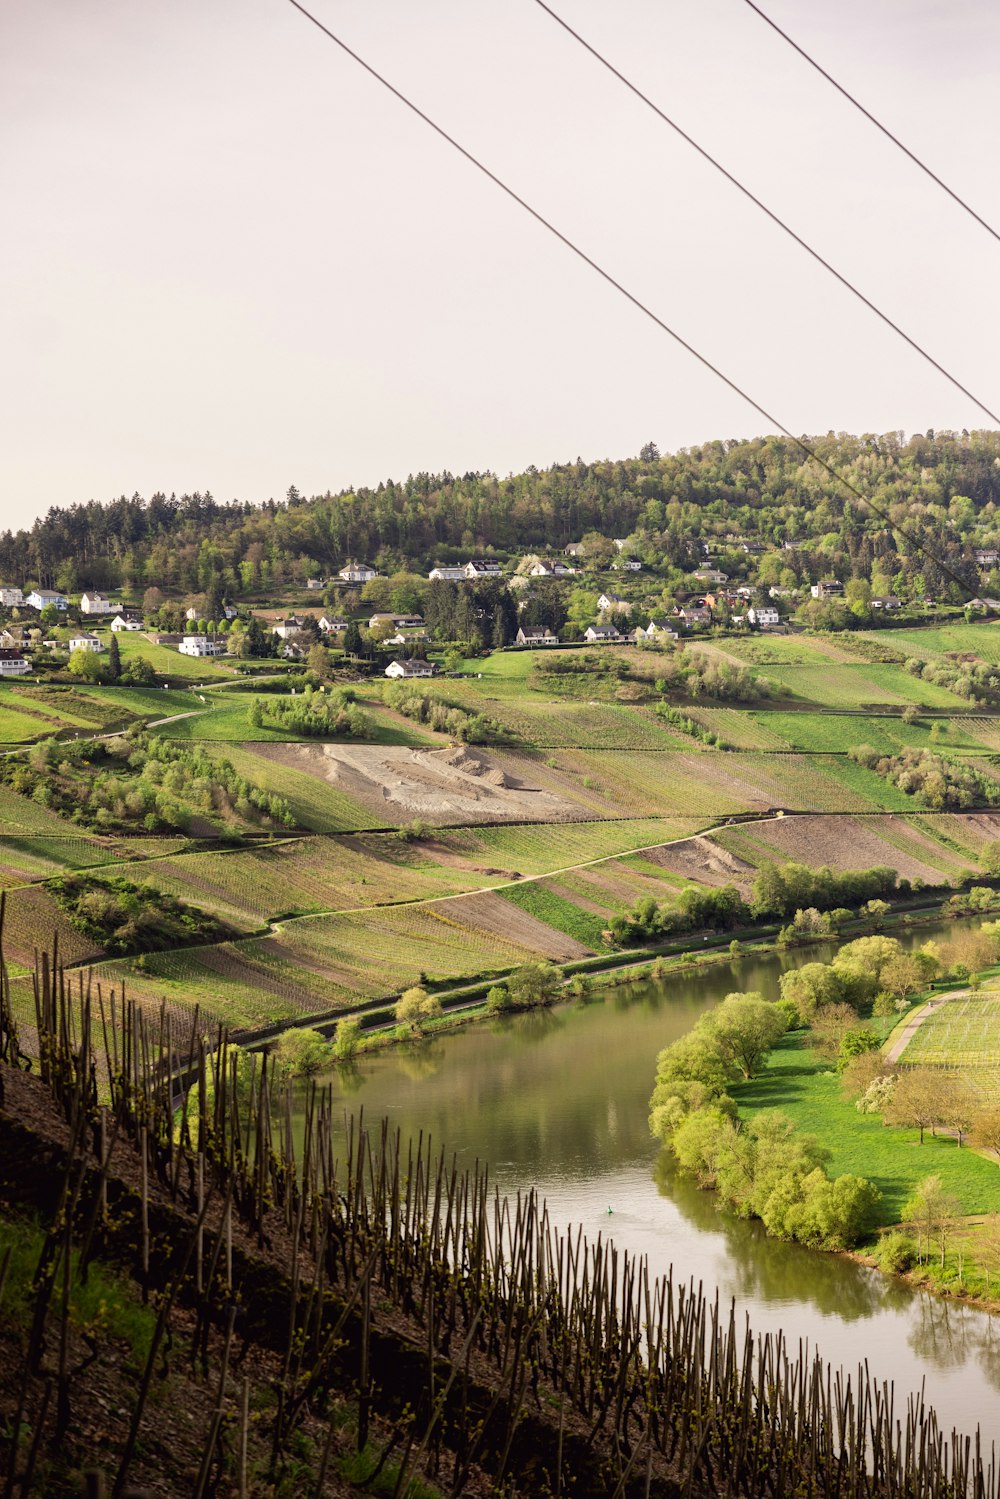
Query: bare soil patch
pixel 491 913
pixel 851 843
pixel 702 860
pixel 454 784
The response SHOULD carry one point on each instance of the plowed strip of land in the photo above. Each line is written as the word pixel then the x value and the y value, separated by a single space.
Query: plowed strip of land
pixel 491 913
pixel 845 843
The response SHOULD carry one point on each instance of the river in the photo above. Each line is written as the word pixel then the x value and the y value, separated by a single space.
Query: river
pixel 557 1100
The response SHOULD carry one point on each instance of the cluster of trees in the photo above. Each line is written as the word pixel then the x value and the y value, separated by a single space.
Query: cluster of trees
pixel 944 487
pixel 140 780
pixel 781 889
pixel 720 909
pixel 974 679
pixel 762 1168
pixel 446 717
pixel 530 987
pixel 692 674
pixel 125 917
pixel 95 666
pixel 864 971
pixel 312 714
pixel 940 783
pixel 480 614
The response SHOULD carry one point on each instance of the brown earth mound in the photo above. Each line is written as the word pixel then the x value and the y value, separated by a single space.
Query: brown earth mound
pixel 702 860
pixel 456 784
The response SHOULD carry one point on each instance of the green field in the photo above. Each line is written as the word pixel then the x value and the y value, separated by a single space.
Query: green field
pixel 962 1033
pixel 838 733
pixel 805 1088
pixel 981 640
pixel 556 911
pixel 225 717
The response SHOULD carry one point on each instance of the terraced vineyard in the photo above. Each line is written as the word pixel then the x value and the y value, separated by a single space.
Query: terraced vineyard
pixel 962 1033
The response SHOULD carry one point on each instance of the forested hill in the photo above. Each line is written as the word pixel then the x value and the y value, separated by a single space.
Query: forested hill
pixel 943 487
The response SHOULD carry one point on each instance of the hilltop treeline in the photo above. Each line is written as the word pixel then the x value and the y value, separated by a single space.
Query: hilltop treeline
pixel 945 489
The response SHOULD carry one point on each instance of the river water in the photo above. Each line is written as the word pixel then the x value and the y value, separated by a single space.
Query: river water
pixel 557 1100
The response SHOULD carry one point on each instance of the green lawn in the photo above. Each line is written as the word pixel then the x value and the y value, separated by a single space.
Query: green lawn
pixel 936 640
pixel 831 732
pixel 228 720
pixel 805 1088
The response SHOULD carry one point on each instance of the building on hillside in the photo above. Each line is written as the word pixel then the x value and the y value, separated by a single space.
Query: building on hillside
pixel 357 572
pixel 887 601
pixel 601 634
pixel 127 619
pixel 545 567
pixel 827 588
pixel 407 637
pixel 448 575
pixel 753 548
pixel 987 556
pixel 694 614
pixel 332 624
pixel 96 603
pixel 575 549
pixel 412 669
pixel 655 630
pixel 763 617
pixel 710 575
pixel 40 598
pixel 315 584
pixel 536 635
pixel 290 628
pixel 85 643
pixel 13 662
pixel 400 621
pixel 10 597
pixel 202 645
pixel 627 565
pixel 612 601
pixel 482 567
pixel 191 614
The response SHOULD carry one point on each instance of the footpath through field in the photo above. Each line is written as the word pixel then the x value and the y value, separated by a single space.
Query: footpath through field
pixel 916 1021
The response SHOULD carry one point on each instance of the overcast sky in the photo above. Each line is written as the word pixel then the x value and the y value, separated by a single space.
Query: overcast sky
pixel 232 262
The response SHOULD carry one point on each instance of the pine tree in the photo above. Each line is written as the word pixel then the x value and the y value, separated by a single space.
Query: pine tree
pixel 114 660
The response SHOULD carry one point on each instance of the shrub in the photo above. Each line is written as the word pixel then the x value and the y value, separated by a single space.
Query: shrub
pixel 896 1252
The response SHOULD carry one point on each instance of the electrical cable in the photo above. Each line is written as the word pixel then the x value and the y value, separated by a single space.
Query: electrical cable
pixel 774 217
pixel 877 123
pixel 605 275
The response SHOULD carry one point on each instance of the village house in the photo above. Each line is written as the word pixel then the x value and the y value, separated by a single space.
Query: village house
pixel 542 567
pixel 85 643
pixel 202 645
pixel 13 662
pixel 288 629
pixel 126 619
pixel 315 584
pixel 627 564
pixel 612 601
pixel 96 603
pixel 40 598
pixel 401 621
pixel 357 572
pixel 407 637
pixel 482 568
pixel 10 597
pixel 711 575
pixel 764 617
pixel 827 588
pixel 411 669
pixel 601 634
pixel 332 623
pixel 887 601
pixel 987 556
pixel 448 575
pixel 540 635
pixel 574 549
pixel 654 631
pixel 694 614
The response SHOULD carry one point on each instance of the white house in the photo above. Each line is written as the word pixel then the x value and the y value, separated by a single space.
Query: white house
pixel 288 629
pixel 763 617
pixel 411 669
pixel 480 568
pixel 314 583
pixel 888 601
pixel 654 631
pixel 601 634
pixel 407 637
pixel 627 565
pixel 987 556
pixel 126 622
pixel 332 623
pixel 40 598
pixel 191 613
pixel 11 597
pixel 612 601
pixel 96 603
pixel 202 645
pixel 13 662
pixel 448 575
pixel 827 588
pixel 85 643
pixel 695 615
pixel 532 636
pixel 357 572
pixel 711 575
pixel 543 568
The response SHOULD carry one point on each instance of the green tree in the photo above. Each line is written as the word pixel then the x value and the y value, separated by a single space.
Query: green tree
pixel 534 984
pixel 114 670
pixel 302 1052
pixel 744 1028
pixel 352 639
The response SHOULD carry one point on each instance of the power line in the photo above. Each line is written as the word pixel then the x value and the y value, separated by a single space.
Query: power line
pixel 564 239
pixel 774 217
pixel 877 123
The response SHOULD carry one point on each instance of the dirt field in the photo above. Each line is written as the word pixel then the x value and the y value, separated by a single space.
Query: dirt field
pixel 456 784
pixel 852 843
pixel 701 859
pixel 491 913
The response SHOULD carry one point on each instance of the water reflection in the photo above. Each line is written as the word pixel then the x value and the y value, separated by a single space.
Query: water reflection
pixel 557 1100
